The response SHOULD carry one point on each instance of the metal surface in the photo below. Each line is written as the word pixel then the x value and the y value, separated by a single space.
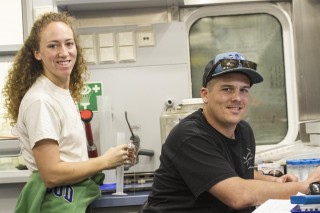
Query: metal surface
pixel 306 21
pixel 138 177
pixel 211 2
pixel 80 5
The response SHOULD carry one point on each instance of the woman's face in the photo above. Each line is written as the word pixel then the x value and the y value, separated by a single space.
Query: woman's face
pixel 57 52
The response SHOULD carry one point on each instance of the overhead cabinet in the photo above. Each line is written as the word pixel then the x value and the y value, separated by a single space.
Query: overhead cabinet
pixel 11 36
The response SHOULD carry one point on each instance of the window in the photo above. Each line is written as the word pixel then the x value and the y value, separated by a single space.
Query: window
pixel 9 145
pixel 260 38
pixel 11 40
pixel 5 132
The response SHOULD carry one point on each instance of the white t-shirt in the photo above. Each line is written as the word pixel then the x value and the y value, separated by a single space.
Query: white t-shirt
pixel 48 111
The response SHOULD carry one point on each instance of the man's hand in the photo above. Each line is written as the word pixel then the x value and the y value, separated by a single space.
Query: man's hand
pixel 286 178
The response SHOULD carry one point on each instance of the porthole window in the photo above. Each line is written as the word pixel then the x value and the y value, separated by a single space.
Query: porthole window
pixel 259 37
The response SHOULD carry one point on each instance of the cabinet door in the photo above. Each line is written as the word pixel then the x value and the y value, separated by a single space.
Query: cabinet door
pixel 11 23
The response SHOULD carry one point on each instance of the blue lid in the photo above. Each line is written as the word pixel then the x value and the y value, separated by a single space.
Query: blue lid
pixel 108 187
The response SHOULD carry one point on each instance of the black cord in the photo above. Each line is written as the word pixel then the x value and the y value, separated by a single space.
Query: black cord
pixel 129 124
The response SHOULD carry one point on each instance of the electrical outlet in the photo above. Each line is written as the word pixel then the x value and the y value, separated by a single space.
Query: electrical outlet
pixel 146 38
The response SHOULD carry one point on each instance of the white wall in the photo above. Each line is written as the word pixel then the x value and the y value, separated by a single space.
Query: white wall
pixel 141 88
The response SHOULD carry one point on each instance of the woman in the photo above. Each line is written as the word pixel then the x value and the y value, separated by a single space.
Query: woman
pixel 41 91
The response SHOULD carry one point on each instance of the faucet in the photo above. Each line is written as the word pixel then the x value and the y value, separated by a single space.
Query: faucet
pixel 136 142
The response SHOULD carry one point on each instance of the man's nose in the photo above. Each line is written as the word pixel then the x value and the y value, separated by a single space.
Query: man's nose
pixel 236 95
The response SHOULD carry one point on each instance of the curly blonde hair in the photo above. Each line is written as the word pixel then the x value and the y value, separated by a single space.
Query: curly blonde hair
pixel 26 69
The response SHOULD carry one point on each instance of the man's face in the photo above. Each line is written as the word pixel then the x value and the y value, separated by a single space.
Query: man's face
pixel 225 100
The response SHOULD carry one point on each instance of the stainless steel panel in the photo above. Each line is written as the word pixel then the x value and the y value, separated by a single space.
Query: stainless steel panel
pixel 306 22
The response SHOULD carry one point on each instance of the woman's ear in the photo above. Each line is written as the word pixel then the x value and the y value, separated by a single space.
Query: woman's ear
pixel 37 55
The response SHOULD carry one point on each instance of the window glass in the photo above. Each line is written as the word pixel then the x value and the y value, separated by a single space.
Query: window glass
pixel 259 38
pixel 5 130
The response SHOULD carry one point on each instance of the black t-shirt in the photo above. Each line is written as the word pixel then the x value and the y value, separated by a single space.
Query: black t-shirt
pixel 195 157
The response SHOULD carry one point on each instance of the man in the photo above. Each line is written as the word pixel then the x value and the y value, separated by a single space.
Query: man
pixel 207 161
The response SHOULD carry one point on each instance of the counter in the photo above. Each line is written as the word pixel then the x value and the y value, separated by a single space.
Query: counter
pixel 14 176
pixel 9 172
pixel 131 199
pixel 135 196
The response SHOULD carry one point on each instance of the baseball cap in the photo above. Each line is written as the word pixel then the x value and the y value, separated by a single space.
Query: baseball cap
pixel 231 62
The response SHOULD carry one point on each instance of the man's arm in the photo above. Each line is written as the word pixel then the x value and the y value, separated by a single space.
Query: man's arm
pixel 240 193
pixel 282 179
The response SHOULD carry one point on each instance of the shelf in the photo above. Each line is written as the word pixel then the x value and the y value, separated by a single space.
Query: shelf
pixel 87 5
pixel 9 49
pixel 9 147
pixel 14 176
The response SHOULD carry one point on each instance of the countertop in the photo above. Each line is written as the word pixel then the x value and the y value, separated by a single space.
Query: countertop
pixel 14 176
pixel 131 199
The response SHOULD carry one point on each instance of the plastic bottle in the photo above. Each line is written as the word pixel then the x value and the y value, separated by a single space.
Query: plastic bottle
pixel 304 168
pixel 293 167
pixel 314 163
pixel 289 166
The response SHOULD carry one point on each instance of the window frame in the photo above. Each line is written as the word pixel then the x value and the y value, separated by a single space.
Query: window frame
pixel 288 51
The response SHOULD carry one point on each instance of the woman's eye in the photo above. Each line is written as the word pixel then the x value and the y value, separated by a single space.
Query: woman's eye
pixel 52 46
pixel 70 44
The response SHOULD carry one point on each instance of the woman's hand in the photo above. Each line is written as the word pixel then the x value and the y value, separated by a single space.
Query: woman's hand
pixel 118 155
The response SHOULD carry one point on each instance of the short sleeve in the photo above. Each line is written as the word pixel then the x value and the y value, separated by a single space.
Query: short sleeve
pixel 42 121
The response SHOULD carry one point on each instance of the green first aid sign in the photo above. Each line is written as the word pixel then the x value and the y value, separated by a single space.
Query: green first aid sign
pixel 89 96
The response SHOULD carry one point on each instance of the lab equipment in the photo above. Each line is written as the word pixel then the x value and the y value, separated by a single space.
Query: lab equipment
pixel 120 169
pixel 172 116
pixel 309 208
pixel 301 168
pixel 305 203
pixel 305 199
pixel 135 145
pixel 86 117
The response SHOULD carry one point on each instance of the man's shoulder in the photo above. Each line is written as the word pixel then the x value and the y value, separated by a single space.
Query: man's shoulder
pixel 244 124
pixel 195 116
pixel 245 127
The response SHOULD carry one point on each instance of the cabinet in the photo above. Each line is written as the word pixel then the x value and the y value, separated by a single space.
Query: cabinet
pixel 11 36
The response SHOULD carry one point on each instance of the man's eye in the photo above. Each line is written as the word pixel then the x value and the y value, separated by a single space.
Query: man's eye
pixel 245 90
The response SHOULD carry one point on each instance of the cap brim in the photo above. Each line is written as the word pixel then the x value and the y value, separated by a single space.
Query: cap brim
pixel 253 75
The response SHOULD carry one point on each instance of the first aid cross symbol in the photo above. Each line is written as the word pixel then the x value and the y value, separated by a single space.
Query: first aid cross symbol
pixel 89 96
